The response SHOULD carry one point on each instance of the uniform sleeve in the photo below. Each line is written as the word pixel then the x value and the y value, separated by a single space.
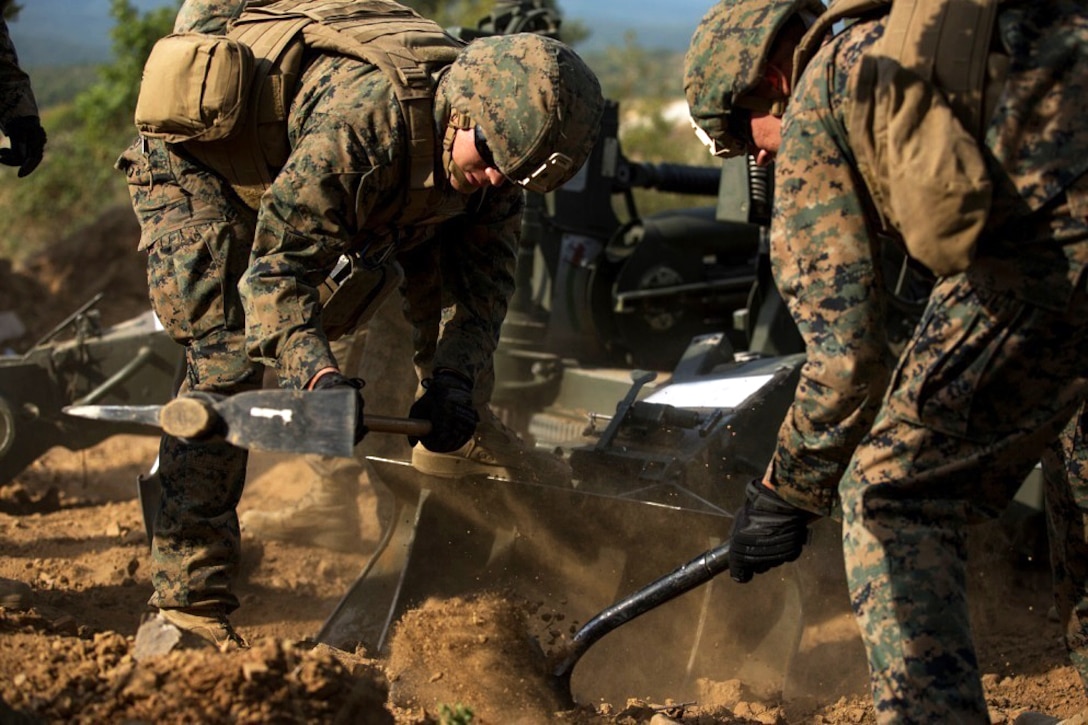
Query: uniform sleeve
pixel 478 278
pixel 206 16
pixel 306 220
pixel 458 288
pixel 16 96
pixel 822 251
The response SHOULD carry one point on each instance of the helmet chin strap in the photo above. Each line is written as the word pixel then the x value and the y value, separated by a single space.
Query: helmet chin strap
pixel 458 121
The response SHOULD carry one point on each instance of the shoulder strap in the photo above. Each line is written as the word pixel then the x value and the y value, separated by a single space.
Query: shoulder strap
pixel 272 88
pixel 405 46
pixel 947 43
pixel 814 37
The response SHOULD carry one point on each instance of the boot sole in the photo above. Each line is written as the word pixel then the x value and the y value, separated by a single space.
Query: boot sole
pixel 444 466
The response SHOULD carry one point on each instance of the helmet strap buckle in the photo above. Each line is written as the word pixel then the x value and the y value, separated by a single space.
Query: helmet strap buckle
pixel 548 174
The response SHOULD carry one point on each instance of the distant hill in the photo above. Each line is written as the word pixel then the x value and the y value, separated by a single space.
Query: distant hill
pixel 65 33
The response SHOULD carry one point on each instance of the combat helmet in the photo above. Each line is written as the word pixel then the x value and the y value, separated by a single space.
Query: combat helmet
pixel 536 102
pixel 726 61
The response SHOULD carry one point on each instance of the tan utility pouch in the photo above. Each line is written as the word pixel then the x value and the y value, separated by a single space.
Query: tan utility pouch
pixel 194 87
pixel 925 172
pixel 352 293
pixel 917 106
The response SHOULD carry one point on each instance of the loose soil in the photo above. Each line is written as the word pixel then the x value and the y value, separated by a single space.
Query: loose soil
pixel 70 527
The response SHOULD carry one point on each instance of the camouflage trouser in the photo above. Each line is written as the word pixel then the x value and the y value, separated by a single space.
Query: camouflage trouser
pixel 986 383
pixel 198 241
pixel 1065 476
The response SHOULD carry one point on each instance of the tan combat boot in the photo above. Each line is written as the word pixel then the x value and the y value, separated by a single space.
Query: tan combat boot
pixel 201 628
pixel 327 516
pixel 14 594
pixel 494 450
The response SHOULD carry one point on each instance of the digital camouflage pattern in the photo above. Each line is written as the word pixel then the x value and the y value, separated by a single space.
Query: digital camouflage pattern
pixel 16 96
pixel 1065 471
pixel 991 375
pixel 238 286
pixel 532 96
pixel 726 59
pixel 206 16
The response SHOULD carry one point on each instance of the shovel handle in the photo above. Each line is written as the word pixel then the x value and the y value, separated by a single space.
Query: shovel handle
pixel 406 426
pixel 679 581
pixel 189 416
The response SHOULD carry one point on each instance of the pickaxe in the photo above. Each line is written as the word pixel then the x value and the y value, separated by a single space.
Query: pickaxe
pixel 320 422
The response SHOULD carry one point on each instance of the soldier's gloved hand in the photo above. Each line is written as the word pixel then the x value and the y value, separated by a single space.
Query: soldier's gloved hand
pixel 767 532
pixel 27 139
pixel 333 380
pixel 447 403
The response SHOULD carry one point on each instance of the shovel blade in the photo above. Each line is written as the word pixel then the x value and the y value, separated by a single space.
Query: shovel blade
pixel 568 554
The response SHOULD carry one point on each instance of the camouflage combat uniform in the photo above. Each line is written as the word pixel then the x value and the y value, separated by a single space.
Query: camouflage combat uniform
pixel 225 279
pixel 991 376
pixel 16 99
pixel 16 96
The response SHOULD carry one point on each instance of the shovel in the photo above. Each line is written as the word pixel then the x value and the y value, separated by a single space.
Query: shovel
pixel 681 580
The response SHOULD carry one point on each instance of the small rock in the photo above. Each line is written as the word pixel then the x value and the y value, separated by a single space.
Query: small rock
pixel 251 669
pixel 134 536
pixel 663 719
pixel 155 637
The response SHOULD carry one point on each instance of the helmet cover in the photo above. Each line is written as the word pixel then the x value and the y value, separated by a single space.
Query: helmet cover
pixel 537 103
pixel 726 61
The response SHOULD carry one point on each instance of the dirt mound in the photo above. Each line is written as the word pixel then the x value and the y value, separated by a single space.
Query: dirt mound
pixel 274 680
pixel 475 651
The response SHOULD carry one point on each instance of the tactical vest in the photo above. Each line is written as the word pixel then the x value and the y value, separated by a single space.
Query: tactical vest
pixel 259 61
pixel 915 115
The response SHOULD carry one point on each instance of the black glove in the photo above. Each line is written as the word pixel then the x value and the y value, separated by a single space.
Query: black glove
pixel 447 403
pixel 767 532
pixel 27 139
pixel 334 380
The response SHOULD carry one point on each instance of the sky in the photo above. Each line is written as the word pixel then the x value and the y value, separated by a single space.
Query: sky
pixel 665 23
pixel 64 29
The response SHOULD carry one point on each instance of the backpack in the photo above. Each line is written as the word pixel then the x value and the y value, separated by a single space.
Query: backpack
pixel 916 109
pixel 226 97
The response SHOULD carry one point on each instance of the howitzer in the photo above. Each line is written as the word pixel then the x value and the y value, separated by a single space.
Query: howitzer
pixel 80 363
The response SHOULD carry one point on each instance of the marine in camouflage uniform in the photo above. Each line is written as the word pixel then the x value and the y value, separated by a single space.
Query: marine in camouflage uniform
pixel 828 277
pixel 238 286
pixel 327 514
pixel 20 123
pixel 993 372
pixel 18 111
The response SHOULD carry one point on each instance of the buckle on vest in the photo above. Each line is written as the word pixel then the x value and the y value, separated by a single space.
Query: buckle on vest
pixel 414 76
